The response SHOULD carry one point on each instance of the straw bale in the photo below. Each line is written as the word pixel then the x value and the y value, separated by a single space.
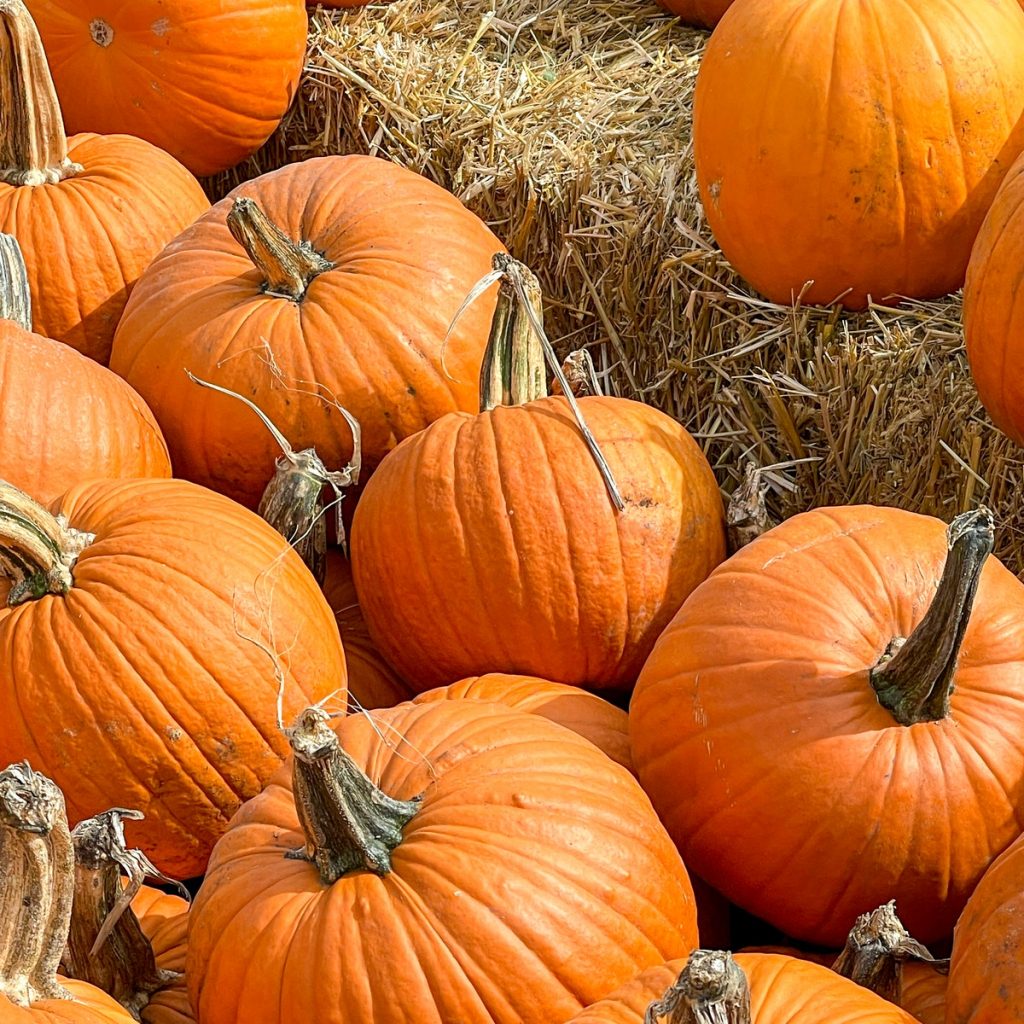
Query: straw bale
pixel 566 125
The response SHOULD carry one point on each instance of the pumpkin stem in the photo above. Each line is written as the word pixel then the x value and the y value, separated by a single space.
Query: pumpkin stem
pixel 106 946
pixel 37 549
pixel 581 374
pixel 37 868
pixel 33 146
pixel 350 825
pixel 876 950
pixel 711 989
pixel 746 518
pixel 293 500
pixel 914 678
pixel 287 267
pixel 15 298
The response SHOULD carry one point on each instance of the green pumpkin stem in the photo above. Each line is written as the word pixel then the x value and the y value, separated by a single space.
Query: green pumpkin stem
pixel 711 989
pixel 33 146
pixel 37 549
pixel 15 298
pixel 914 678
pixel 349 824
pixel 37 868
pixel 877 949
pixel 106 945
pixel 287 267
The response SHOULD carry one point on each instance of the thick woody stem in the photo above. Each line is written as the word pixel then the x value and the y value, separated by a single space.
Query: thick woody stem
pixel 15 298
pixel 712 989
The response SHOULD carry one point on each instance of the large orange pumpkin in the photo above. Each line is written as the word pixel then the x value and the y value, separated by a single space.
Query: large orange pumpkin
pixel 63 417
pixel 356 314
pixel 815 165
pixel 986 974
pixel 90 212
pixel 489 543
pixel 504 872
pixel 132 666
pixel 809 766
pixel 206 80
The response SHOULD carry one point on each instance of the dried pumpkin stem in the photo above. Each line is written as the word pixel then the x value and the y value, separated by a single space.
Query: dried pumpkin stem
pixel 33 146
pixel 746 517
pixel 581 374
pixel 877 949
pixel 37 867
pixel 711 989
pixel 914 678
pixel 287 267
pixel 15 298
pixel 349 824
pixel 106 945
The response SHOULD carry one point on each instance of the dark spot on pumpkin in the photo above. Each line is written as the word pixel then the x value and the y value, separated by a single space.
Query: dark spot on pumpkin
pixel 410 390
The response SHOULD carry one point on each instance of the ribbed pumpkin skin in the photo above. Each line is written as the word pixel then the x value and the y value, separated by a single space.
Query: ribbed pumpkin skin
pixel 993 319
pixel 812 165
pixel 164 921
pixel 488 543
pixel 135 690
pixel 783 990
pixel 533 879
pixel 87 239
pixel 178 73
pixel 372 682
pixel 66 419
pixel 89 1006
pixel 701 13
pixel 924 993
pixel 369 332
pixel 758 737
pixel 588 715
pixel 986 976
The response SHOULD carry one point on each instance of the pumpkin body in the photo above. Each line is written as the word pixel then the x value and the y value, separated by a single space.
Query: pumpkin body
pixel 592 717
pixel 87 239
pixel 701 13
pixel 164 921
pixel 993 319
pixel 65 419
pixel 786 784
pixel 139 688
pixel 812 166
pixel 986 974
pixel 489 543
pixel 532 879
pixel 783 990
pixel 367 334
pixel 88 1006
pixel 372 682
pixel 924 993
pixel 178 73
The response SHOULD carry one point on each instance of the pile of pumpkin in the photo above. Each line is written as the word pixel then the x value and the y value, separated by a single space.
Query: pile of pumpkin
pixel 338 359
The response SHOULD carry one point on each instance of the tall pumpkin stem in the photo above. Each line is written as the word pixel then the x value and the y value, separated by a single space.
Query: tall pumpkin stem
pixel 914 678
pixel 37 549
pixel 37 867
pixel 711 989
pixel 106 945
pixel 350 824
pixel 877 949
pixel 287 267
pixel 15 298
pixel 33 146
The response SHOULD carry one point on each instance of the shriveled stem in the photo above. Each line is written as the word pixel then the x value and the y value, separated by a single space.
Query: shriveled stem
pixel 33 146
pixel 15 297
pixel 746 517
pixel 711 989
pixel 349 824
pixel 287 267
pixel 914 679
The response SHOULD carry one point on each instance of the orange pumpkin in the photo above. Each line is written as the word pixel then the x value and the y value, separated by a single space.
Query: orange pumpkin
pixel 812 167
pixel 809 765
pixel 130 639
pixel 489 543
pixel 63 417
pixel 356 315
pixel 90 212
pixel 701 13
pixel 206 80
pixel 504 872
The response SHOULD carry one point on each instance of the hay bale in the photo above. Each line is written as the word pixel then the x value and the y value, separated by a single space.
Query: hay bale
pixel 567 128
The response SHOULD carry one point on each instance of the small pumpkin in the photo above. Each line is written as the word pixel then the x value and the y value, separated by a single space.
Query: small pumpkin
pixel 815 725
pixel 90 212
pixel 701 13
pixel 132 621
pixel 177 73
pixel 319 285
pixel 490 543
pixel 821 180
pixel 474 863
